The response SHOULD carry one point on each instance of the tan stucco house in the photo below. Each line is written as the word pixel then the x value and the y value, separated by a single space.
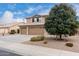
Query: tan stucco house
pixel 34 25
pixel 6 28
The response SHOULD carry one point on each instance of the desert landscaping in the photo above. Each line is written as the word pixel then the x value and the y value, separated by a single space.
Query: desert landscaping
pixel 58 44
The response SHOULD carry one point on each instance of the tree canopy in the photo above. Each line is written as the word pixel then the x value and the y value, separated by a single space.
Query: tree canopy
pixel 61 20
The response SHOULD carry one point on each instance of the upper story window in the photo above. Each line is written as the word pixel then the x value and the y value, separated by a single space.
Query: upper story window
pixel 32 19
pixel 35 19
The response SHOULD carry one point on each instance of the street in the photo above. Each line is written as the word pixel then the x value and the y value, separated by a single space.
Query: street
pixel 3 52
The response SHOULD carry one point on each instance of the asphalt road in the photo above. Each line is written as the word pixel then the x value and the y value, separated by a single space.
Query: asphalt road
pixel 3 52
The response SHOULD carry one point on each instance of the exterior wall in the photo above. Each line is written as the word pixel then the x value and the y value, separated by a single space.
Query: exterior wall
pixel 29 20
pixel 3 30
pixel 8 27
pixel 6 31
pixel 41 20
pixel 14 28
pixel 33 30
pixel 45 33
pixel 23 30
pixel 36 30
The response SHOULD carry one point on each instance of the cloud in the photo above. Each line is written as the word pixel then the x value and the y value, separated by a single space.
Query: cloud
pixel 18 12
pixel 39 7
pixel 11 6
pixel 44 12
pixel 30 10
pixel 77 11
pixel 39 10
pixel 0 12
pixel 19 20
pixel 76 7
pixel 8 18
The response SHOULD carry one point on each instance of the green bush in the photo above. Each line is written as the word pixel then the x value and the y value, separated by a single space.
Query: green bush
pixel 38 38
pixel 69 44
pixel 12 32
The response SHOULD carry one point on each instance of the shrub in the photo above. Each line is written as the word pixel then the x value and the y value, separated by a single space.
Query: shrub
pixel 45 42
pixel 69 44
pixel 12 32
pixel 38 38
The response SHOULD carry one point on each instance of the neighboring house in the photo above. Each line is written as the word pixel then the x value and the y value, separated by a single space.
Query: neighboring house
pixel 6 28
pixel 34 25
pixel 14 26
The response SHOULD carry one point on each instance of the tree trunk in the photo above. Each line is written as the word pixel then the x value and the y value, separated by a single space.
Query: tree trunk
pixel 56 37
pixel 60 36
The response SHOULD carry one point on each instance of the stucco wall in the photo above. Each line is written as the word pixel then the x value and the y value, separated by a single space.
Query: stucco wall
pixel 36 30
pixel 41 20
pixel 3 30
pixel 33 30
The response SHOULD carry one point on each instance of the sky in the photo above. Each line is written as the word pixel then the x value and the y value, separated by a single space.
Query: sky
pixel 12 12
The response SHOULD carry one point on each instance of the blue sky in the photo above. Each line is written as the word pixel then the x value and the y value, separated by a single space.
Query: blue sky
pixel 23 10
pixel 14 11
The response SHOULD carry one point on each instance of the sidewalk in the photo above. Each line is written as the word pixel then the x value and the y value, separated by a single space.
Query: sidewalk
pixel 31 50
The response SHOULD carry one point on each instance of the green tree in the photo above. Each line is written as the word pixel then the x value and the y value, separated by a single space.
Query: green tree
pixel 61 20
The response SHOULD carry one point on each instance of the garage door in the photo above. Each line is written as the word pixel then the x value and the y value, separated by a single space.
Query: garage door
pixel 23 30
pixel 36 30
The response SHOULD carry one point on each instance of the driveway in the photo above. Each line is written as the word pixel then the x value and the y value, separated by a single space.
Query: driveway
pixel 15 38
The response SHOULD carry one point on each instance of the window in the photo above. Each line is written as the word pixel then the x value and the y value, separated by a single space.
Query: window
pixel 32 19
pixel 37 19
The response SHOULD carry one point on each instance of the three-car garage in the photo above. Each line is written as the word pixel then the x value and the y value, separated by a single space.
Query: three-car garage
pixel 32 30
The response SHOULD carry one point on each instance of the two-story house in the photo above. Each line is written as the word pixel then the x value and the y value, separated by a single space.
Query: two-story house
pixel 34 25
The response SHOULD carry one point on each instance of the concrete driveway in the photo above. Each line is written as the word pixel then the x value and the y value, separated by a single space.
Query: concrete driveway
pixel 15 38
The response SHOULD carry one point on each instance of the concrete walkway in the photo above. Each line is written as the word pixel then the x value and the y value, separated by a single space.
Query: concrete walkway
pixel 32 50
